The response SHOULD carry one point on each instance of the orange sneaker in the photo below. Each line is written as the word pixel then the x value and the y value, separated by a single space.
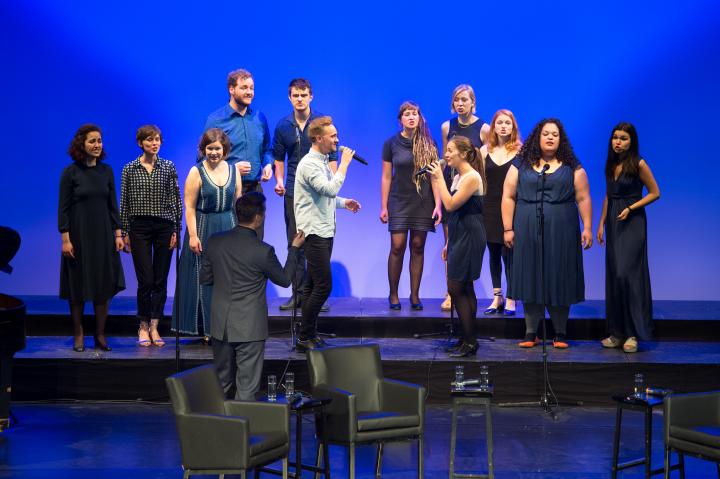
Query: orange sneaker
pixel 530 341
pixel 560 343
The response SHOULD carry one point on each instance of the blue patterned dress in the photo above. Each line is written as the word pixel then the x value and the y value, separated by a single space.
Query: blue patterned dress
pixel 214 213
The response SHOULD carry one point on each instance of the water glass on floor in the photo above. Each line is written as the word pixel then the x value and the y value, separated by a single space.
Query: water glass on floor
pixel 272 388
pixel 289 384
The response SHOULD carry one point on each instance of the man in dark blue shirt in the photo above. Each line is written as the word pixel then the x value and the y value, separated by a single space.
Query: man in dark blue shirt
pixel 291 141
pixel 248 131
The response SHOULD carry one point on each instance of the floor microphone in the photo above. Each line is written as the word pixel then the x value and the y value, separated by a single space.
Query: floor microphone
pixel 355 155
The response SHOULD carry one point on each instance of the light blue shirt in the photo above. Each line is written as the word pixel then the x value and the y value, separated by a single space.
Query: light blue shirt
pixel 316 198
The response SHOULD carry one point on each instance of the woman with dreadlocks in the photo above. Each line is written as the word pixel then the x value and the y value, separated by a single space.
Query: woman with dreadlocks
pixel 408 201
pixel 565 191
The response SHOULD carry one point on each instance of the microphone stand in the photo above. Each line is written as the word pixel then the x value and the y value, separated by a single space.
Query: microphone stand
pixel 178 230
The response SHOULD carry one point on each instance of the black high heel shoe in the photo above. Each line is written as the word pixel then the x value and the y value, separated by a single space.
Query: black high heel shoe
pixel 464 350
pixel 79 346
pixel 101 345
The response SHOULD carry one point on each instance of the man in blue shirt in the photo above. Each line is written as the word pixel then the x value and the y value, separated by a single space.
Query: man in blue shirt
pixel 248 131
pixel 291 140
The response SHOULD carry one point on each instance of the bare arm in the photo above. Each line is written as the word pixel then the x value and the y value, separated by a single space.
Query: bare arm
pixel 192 191
pixel 582 198
pixel 601 223
pixel 467 188
pixel 484 133
pixel 653 190
pixel 385 181
pixel 444 129
pixel 507 207
pixel 238 182
pixel 280 177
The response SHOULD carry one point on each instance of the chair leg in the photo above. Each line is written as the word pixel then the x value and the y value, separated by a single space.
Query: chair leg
pixel 616 441
pixel 318 459
pixel 666 464
pixel 256 473
pixel 285 468
pixel 186 474
pixel 681 461
pixel 453 439
pixel 351 461
pixel 421 465
pixel 378 460
pixel 489 440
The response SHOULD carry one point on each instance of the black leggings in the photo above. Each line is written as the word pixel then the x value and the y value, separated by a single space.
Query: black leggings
pixel 498 252
pixel 465 303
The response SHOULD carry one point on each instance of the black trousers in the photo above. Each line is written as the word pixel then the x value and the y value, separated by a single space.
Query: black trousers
pixel 290 231
pixel 5 382
pixel 151 253
pixel 498 258
pixel 248 186
pixel 318 283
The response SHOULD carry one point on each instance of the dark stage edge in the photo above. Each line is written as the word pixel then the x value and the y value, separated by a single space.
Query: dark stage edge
pixel 371 317
pixel 587 373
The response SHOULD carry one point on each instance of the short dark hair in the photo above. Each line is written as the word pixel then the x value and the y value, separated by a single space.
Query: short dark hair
pixel 76 150
pixel 300 84
pixel 147 131
pixel 212 135
pixel 235 75
pixel 248 206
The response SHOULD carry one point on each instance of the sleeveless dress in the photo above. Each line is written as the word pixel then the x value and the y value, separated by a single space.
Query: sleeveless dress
pixel 472 133
pixel 466 237
pixel 88 212
pixel 495 175
pixel 628 298
pixel 214 213
pixel 408 209
pixel 563 263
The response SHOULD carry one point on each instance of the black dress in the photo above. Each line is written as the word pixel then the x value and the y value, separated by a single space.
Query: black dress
pixel 88 212
pixel 408 209
pixel 466 237
pixel 495 175
pixel 628 298
pixel 563 263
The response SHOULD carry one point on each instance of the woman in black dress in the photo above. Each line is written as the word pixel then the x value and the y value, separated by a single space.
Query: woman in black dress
pixel 89 225
pixel 408 202
pixel 502 146
pixel 547 153
pixel 150 212
pixel 466 234
pixel 628 298
pixel 469 125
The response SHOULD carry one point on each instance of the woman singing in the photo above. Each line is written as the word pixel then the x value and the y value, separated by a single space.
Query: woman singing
pixel 502 146
pixel 547 174
pixel 150 211
pixel 467 124
pixel 89 224
pixel 466 234
pixel 409 203
pixel 211 188
pixel 628 298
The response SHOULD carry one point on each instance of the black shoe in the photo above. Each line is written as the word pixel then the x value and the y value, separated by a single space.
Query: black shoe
pixel 79 349
pixel 325 307
pixel 454 346
pixel 289 304
pixel 319 342
pixel 101 345
pixel 465 349
pixel 303 345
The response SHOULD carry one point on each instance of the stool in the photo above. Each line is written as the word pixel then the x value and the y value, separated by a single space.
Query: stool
pixel 646 404
pixel 472 396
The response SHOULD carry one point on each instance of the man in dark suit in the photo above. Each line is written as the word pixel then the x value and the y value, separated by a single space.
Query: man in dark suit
pixel 238 264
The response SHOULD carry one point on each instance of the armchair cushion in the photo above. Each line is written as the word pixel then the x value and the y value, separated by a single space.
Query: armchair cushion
pixel 705 435
pixel 371 421
pixel 260 443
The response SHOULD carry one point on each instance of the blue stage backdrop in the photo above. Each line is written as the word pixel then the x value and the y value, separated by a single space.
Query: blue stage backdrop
pixel 123 64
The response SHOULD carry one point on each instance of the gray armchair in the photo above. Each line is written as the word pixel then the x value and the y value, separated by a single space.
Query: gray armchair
pixel 692 427
pixel 365 407
pixel 225 437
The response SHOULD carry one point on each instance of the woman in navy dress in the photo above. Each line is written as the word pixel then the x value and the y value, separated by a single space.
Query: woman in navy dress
pixel 89 223
pixel 628 298
pixel 466 234
pixel 502 146
pixel 211 188
pixel 468 125
pixel 547 152
pixel 408 202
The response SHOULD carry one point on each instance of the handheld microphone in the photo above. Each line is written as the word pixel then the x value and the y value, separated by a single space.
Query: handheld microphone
pixel 355 155
pixel 424 169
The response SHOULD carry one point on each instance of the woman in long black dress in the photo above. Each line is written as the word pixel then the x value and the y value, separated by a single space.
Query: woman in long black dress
pixel 547 153
pixel 408 202
pixel 466 234
pixel 501 148
pixel 628 298
pixel 89 224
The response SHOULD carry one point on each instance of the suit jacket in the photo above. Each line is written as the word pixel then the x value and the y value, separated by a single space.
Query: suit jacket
pixel 238 265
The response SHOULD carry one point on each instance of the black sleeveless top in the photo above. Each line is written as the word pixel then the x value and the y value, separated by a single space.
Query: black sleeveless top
pixel 471 131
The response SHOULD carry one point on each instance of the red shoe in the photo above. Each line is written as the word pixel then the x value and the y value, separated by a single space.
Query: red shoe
pixel 529 342
pixel 560 343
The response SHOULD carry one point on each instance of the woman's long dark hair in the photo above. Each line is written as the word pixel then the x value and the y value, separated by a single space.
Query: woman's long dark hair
pixel 530 153
pixel 472 155
pixel 630 159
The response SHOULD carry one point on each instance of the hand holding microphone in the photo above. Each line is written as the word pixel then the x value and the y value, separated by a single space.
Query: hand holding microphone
pixel 352 154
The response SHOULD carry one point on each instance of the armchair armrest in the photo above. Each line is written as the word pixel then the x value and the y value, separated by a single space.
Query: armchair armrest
pixel 403 397
pixel 210 440
pixel 262 416
pixel 691 410
pixel 340 414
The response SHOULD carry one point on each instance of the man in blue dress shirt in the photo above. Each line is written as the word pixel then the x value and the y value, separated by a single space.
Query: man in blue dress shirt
pixel 291 141
pixel 248 131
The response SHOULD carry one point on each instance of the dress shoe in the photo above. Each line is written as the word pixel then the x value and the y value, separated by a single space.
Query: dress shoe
pixel 530 341
pixel 101 345
pixel 289 304
pixel 394 306
pixel 303 345
pixel 325 307
pixel 499 307
pixel 416 306
pixel 466 349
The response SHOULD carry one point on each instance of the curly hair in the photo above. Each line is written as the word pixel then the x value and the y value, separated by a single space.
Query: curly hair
pixel 530 153
pixel 471 154
pixel 424 149
pixel 630 160
pixel 76 150
pixel 211 136
pixel 515 142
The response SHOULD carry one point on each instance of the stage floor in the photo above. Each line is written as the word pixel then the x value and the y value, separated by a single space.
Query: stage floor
pixel 138 440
